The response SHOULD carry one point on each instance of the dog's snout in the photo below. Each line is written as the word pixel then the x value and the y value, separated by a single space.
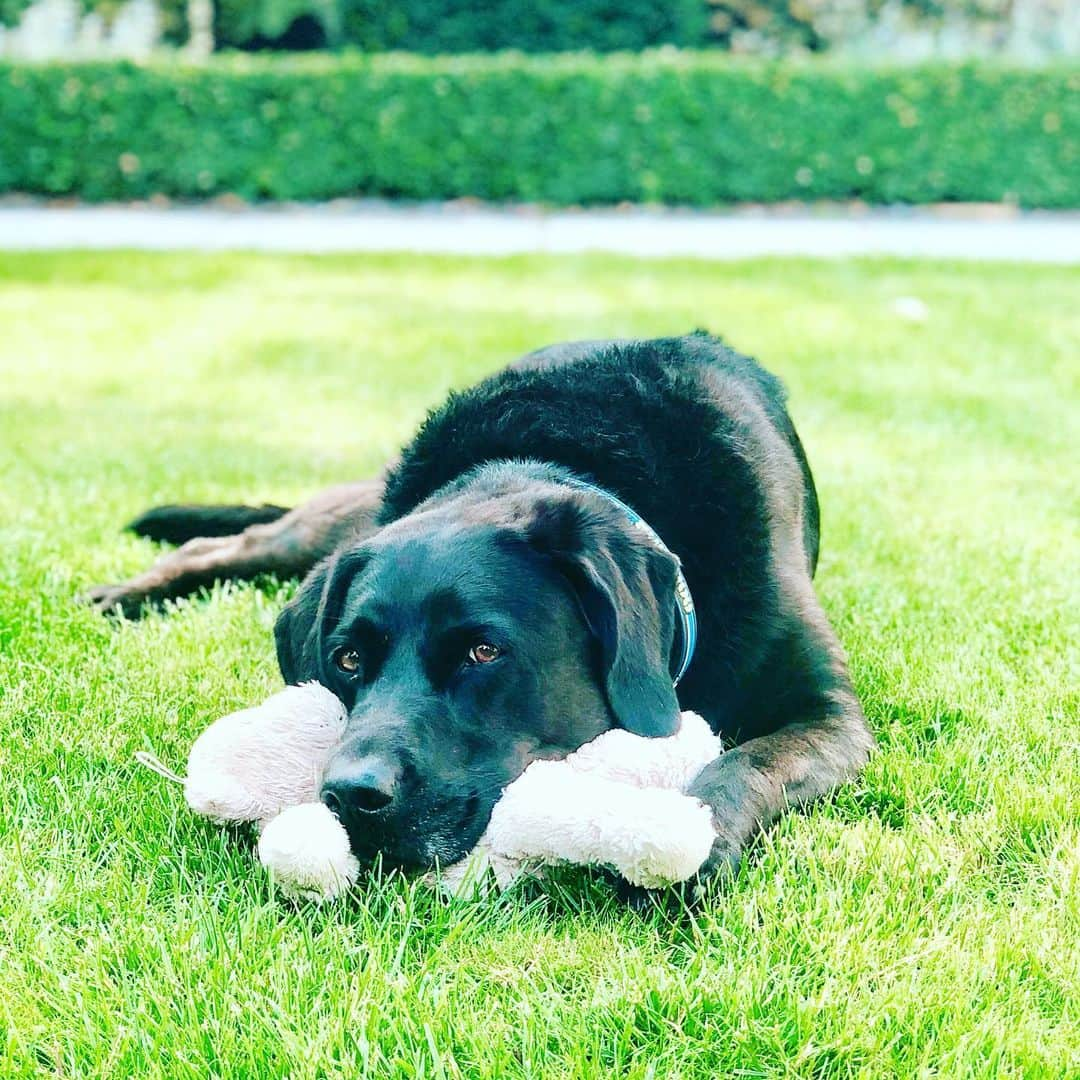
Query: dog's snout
pixel 360 786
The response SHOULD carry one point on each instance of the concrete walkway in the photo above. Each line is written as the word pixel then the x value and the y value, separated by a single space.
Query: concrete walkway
pixel 960 233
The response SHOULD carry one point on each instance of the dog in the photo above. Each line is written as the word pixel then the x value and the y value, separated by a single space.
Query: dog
pixel 529 573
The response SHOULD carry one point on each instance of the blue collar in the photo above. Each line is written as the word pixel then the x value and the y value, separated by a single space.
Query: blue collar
pixel 684 602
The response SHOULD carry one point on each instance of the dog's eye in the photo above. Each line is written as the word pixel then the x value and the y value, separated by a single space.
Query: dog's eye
pixel 483 652
pixel 347 660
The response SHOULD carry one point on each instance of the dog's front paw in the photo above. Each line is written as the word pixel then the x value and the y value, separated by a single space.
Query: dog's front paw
pixel 726 787
pixel 116 600
pixel 724 859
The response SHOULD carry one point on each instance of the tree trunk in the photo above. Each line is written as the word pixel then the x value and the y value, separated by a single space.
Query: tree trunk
pixel 200 18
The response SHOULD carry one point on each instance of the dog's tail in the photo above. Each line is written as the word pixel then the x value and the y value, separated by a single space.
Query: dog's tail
pixel 176 523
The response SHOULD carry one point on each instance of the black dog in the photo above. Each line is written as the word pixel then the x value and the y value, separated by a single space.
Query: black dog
pixel 481 606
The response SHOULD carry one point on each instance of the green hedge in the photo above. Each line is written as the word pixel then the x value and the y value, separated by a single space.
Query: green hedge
pixel 677 127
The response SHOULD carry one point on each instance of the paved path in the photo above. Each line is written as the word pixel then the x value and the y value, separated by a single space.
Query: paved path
pixel 468 230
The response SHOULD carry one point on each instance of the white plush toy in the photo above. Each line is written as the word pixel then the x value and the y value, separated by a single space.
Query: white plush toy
pixel 617 802
pixel 266 765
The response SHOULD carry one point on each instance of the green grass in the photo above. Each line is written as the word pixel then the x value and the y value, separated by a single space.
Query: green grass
pixel 924 922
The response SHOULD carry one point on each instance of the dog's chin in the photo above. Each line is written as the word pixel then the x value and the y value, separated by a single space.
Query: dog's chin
pixel 431 840
pixel 451 840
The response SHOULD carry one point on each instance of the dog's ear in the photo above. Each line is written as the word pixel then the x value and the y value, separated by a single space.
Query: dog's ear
pixel 626 587
pixel 310 615
pixel 296 630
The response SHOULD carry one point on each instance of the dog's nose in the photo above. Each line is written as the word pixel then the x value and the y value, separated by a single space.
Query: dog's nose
pixel 365 785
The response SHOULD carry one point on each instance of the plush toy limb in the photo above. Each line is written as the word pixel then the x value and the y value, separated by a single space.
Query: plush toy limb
pixel 651 836
pixel 672 763
pixel 306 850
pixel 616 802
pixel 252 764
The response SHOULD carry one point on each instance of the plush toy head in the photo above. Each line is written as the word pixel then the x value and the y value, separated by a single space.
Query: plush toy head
pixel 618 801
pixel 252 764
pixel 265 765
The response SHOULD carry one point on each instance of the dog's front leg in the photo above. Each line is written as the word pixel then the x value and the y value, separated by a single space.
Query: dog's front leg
pixel 749 786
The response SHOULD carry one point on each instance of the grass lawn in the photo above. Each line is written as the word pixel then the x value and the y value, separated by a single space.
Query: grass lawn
pixel 924 922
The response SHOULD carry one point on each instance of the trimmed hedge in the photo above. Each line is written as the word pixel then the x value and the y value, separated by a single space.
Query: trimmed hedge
pixel 678 127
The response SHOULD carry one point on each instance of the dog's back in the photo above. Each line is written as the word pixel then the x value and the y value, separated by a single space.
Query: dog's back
pixel 724 364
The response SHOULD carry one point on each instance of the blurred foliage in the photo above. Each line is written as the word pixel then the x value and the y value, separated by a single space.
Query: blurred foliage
pixel 239 22
pixel 11 11
pixel 686 128
pixel 761 26
pixel 449 26
pixel 778 27
pixel 770 27
pixel 236 22
pixel 173 15
pixel 782 23
pixel 815 25
pixel 432 26
pixel 242 23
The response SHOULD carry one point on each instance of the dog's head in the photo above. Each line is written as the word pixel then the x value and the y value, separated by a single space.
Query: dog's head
pixel 465 646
